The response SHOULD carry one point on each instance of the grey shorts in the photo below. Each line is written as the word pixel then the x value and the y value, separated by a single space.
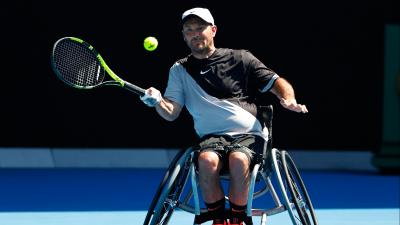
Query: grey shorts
pixel 223 145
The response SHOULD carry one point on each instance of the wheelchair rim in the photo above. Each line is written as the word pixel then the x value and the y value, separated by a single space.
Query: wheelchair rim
pixel 280 175
pixel 298 191
pixel 169 190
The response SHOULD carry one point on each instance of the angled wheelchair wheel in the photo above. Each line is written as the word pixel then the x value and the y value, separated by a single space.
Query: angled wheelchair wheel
pixel 298 192
pixel 169 190
pixel 295 196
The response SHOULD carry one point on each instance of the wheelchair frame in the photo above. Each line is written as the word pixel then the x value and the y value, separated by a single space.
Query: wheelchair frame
pixel 293 197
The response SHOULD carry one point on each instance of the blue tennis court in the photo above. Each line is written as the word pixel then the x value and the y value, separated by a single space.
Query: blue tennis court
pixel 122 196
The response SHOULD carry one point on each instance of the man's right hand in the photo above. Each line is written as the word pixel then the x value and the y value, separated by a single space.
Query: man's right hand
pixel 152 97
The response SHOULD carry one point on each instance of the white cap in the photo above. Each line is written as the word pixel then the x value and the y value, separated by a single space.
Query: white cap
pixel 203 13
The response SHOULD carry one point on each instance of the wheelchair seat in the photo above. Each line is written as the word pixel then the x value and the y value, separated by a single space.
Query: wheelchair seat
pixel 276 170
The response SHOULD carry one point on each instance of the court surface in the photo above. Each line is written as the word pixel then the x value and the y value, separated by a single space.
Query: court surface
pixel 122 196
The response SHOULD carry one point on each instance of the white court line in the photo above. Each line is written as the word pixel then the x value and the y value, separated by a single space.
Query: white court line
pixel 325 216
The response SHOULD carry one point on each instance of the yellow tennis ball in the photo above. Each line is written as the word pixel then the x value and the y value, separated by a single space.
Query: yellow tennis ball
pixel 150 43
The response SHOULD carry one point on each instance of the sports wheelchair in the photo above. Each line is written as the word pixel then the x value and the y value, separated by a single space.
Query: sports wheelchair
pixel 174 192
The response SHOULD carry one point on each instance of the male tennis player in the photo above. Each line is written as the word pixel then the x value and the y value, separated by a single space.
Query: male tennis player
pixel 219 86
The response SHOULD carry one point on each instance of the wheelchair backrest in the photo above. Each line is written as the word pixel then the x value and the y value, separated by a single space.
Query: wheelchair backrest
pixel 265 115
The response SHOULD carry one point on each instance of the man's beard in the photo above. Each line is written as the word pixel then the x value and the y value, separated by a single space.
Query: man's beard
pixel 199 50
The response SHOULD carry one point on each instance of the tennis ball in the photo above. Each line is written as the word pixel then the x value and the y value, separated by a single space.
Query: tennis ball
pixel 150 43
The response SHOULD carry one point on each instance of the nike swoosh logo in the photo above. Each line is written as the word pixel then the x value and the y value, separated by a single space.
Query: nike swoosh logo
pixel 204 72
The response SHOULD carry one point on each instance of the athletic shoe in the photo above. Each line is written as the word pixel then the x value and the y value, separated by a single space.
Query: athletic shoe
pixel 225 223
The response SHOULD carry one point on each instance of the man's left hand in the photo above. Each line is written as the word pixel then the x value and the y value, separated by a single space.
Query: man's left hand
pixel 291 104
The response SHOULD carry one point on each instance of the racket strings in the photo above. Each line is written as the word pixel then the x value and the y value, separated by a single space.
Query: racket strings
pixel 77 64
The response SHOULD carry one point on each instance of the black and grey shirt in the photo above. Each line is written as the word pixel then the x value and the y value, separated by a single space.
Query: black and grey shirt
pixel 219 92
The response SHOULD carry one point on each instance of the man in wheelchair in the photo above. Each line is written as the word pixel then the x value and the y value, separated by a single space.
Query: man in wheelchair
pixel 219 87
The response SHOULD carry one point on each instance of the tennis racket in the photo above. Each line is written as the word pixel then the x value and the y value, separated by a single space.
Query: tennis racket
pixel 80 66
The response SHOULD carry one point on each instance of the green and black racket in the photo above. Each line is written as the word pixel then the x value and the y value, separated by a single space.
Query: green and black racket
pixel 79 65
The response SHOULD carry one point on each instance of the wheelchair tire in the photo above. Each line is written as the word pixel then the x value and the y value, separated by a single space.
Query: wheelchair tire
pixel 169 190
pixel 161 186
pixel 298 192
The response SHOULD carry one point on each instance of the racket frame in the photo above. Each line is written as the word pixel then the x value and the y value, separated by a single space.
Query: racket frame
pixel 116 80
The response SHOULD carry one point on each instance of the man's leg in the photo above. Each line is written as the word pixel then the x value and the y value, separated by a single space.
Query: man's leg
pixel 239 165
pixel 209 166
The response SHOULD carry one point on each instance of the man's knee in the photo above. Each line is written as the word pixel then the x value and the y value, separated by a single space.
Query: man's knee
pixel 239 165
pixel 208 161
pixel 238 161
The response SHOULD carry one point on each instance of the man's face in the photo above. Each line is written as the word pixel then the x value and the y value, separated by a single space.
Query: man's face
pixel 198 35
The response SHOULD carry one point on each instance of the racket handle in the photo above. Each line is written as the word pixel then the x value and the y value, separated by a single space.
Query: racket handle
pixel 133 88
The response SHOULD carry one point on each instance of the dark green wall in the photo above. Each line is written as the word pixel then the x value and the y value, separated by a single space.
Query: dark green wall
pixel 332 53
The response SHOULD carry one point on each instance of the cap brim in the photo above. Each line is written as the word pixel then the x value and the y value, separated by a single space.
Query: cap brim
pixel 194 16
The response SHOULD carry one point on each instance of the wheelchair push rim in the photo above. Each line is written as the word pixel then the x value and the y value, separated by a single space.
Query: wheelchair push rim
pixel 298 191
pixel 166 199
pixel 299 210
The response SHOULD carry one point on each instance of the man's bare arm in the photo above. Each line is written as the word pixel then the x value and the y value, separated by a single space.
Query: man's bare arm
pixel 168 110
pixel 285 92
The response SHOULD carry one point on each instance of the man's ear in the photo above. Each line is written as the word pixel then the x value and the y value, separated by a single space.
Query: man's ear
pixel 214 30
pixel 183 36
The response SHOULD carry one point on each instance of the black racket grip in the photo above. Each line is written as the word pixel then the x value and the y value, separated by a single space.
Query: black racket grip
pixel 133 88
